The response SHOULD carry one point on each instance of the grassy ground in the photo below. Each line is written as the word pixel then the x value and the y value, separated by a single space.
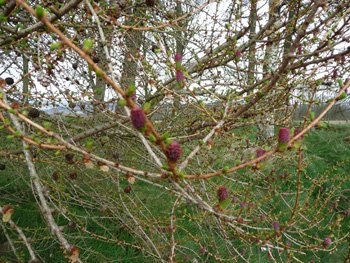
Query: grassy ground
pixel 327 157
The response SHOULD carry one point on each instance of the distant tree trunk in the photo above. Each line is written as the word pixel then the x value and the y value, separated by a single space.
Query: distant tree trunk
pixel 100 57
pixel 26 79
pixel 99 87
pixel 133 41
pixel 266 121
pixel 287 45
pixel 180 47
pixel 252 48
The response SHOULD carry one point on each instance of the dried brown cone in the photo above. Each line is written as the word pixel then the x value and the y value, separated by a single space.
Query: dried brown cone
pixel 33 113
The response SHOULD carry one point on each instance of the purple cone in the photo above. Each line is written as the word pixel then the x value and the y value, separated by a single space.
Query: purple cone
pixel 174 151
pixel 283 135
pixel 222 193
pixel 180 76
pixel 297 131
pixel 276 226
pixel 234 199
pixel 300 49
pixel 178 57
pixel 260 152
pixel 138 118
pixel 133 96
pixel 327 241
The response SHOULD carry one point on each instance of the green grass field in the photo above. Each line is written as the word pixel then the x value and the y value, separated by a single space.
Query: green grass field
pixel 327 156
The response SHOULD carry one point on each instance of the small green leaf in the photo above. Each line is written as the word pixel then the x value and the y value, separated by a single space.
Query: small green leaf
pixel 146 107
pixel 39 11
pixel 88 44
pixel 3 18
pixel 47 125
pixel 98 90
pixel 99 73
pixel 318 82
pixel 225 203
pixel 342 96
pixel 312 115
pixel 55 46
pixel 168 141
pixel 179 85
pixel 178 65
pixel 322 125
pixel 340 82
pixel 165 136
pixel 89 144
pixel 152 138
pixel 181 175
pixel 131 90
pixel 282 147
pixel 260 94
pixel 225 169
pixel 121 103
pixel 297 144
